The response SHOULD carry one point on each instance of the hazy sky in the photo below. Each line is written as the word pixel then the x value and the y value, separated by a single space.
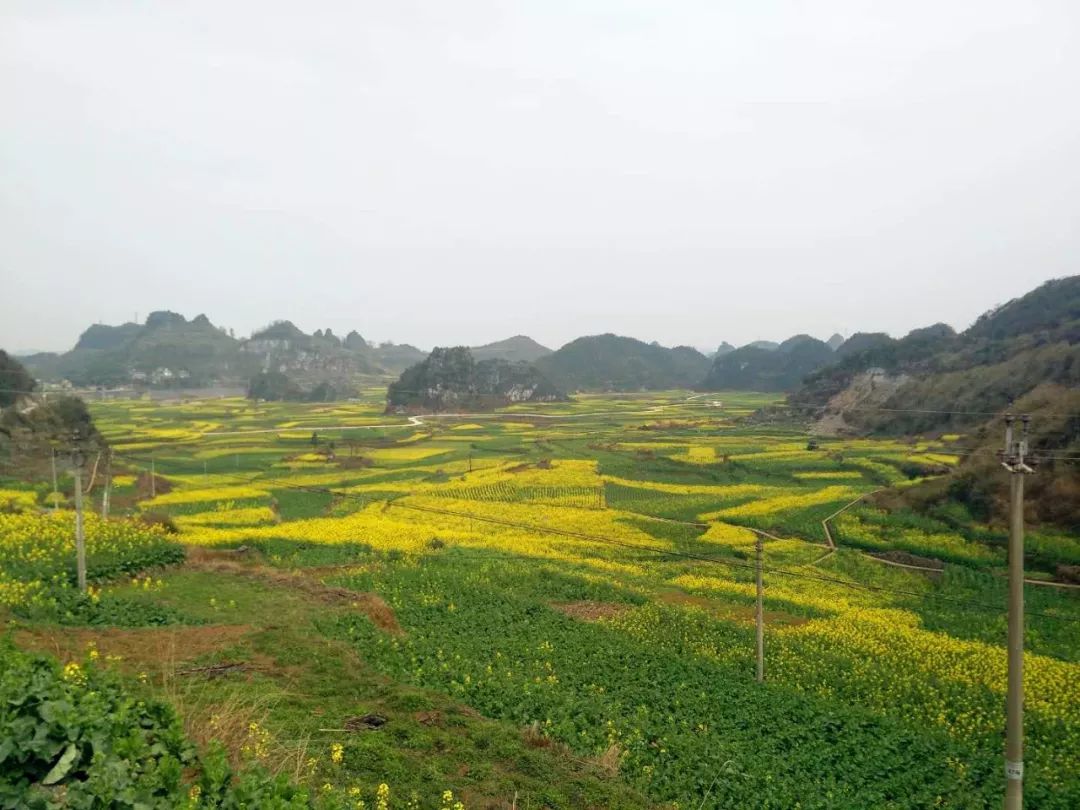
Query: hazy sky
pixel 457 172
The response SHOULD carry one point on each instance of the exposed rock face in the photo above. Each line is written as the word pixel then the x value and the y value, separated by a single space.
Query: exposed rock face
pixel 450 379
pixel 869 389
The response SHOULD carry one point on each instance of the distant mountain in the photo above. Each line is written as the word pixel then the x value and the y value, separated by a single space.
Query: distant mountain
pixel 451 379
pixel 835 342
pixel 767 345
pixel 396 357
pixel 757 368
pixel 613 363
pixel 169 351
pixel 519 348
pixel 723 348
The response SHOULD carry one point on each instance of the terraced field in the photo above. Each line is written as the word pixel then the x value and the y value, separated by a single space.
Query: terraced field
pixel 552 606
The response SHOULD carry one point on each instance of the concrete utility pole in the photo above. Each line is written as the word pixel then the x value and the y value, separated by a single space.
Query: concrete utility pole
pixel 55 489
pixel 758 549
pixel 1013 460
pixel 77 461
pixel 106 491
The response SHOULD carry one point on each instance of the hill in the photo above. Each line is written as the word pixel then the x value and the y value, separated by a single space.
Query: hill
pixel 757 368
pixel 169 351
pixel 451 379
pixel 613 363
pixel 519 348
pixel 1023 356
pixel 947 380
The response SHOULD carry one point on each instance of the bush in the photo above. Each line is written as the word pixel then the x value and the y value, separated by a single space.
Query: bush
pixel 159 519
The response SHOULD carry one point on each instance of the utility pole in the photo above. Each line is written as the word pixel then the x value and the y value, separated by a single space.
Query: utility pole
pixel 55 489
pixel 77 461
pixel 106 491
pixel 153 479
pixel 1013 460
pixel 758 549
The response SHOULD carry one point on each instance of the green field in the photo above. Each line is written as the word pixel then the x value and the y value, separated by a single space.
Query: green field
pixel 552 606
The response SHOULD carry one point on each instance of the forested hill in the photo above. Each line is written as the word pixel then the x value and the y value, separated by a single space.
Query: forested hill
pixel 451 379
pixel 514 349
pixel 762 366
pixel 614 363
pixel 168 350
pixel 929 378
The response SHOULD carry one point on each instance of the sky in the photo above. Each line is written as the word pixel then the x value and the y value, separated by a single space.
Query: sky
pixel 454 173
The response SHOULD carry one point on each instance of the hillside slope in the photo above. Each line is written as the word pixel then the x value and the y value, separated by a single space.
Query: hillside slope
pixel 953 380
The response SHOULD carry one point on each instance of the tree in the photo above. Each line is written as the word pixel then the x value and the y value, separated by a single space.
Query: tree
pixel 273 386
pixel 14 379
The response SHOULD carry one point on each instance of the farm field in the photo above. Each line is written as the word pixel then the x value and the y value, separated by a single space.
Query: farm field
pixel 547 606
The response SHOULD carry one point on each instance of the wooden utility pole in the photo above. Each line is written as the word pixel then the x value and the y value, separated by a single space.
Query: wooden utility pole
pixel 758 549
pixel 77 461
pixel 1013 461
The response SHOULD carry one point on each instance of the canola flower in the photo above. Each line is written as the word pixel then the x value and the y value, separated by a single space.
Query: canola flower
pixel 222 493
pixel 17 500
pixel 36 553
pixel 784 503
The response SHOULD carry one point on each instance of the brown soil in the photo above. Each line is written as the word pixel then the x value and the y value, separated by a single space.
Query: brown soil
pixel 142 485
pixel 904 558
pixel 730 611
pixel 224 561
pixel 591 611
pixel 432 718
pixel 139 648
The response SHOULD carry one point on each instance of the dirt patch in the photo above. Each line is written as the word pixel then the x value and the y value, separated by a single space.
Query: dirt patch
pixel 204 557
pixel 589 611
pixel 432 718
pixel 904 558
pixel 143 488
pixel 1069 574
pixel 368 722
pixel 139 648
pixel 372 605
pixel 729 611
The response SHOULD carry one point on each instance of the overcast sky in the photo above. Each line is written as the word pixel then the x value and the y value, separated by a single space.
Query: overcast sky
pixel 457 172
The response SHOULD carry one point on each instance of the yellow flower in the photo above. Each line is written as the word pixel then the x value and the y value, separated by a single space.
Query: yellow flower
pixel 337 753
pixel 74 673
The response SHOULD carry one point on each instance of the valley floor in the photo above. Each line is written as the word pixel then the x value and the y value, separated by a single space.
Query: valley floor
pixel 556 609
